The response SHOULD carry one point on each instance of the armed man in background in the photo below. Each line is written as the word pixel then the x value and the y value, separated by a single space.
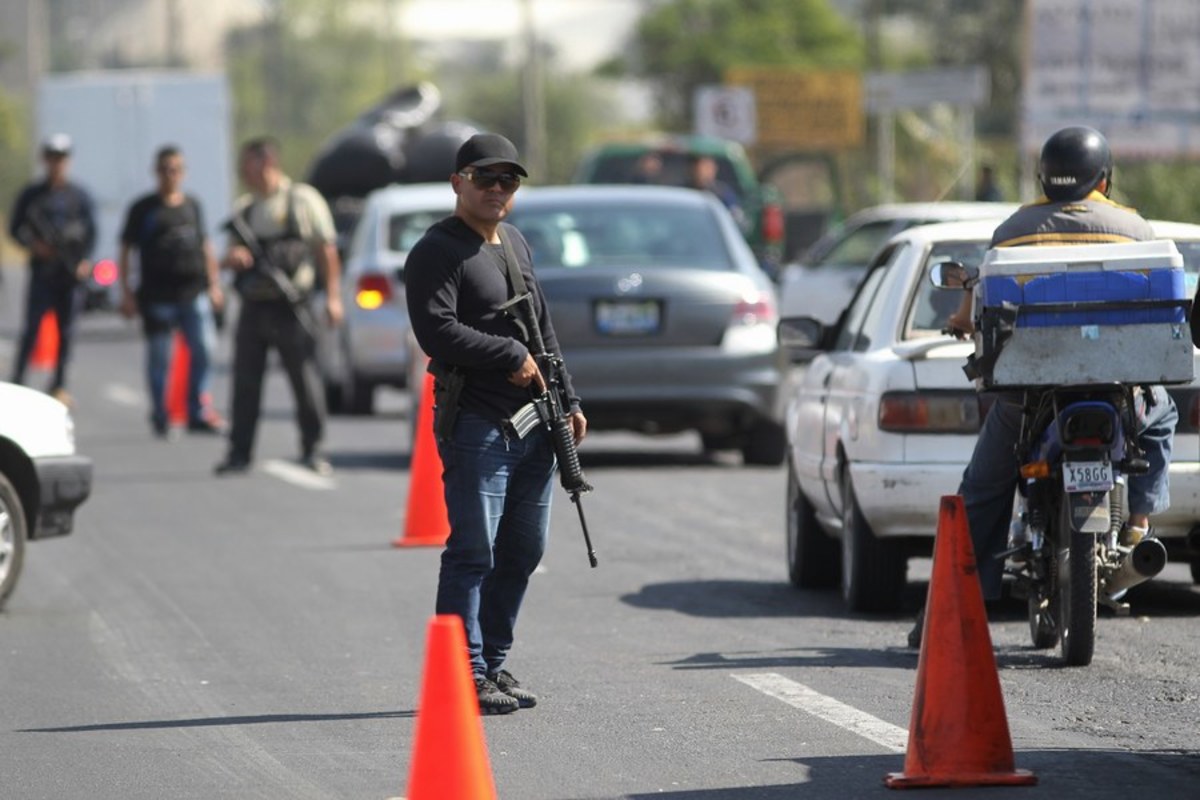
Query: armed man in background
pixel 497 477
pixel 178 288
pixel 281 235
pixel 53 218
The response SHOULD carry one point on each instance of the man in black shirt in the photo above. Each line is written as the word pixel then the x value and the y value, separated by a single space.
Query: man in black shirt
pixel 53 219
pixel 497 483
pixel 177 289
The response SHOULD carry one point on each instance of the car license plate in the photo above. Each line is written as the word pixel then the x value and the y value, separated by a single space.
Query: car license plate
pixel 627 317
pixel 1087 476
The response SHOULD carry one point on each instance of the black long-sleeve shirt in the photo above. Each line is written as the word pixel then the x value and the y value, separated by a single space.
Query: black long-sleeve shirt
pixel 67 210
pixel 454 283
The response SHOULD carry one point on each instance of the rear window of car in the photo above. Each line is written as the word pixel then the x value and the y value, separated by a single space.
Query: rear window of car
pixel 644 236
pixel 405 229
pixel 676 170
pixel 858 247
pixel 931 306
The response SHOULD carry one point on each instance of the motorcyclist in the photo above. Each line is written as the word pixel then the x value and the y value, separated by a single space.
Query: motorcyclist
pixel 1076 175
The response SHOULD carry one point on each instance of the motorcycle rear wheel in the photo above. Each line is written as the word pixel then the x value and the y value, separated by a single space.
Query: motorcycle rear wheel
pixel 1076 592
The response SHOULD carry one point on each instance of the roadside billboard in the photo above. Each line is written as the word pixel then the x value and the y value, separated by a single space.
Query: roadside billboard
pixel 804 110
pixel 1130 68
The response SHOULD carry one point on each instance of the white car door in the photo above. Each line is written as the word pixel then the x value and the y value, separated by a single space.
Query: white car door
pixel 848 379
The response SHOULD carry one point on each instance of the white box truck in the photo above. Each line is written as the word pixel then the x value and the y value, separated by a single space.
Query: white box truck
pixel 117 120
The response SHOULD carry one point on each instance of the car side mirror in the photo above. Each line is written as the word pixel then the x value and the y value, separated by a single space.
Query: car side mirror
pixel 953 275
pixel 800 337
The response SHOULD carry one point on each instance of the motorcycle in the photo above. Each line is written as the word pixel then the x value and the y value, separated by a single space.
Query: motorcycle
pixel 1070 546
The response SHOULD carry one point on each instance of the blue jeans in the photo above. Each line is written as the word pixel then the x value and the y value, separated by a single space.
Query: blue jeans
pixel 498 498
pixel 194 319
pixel 990 480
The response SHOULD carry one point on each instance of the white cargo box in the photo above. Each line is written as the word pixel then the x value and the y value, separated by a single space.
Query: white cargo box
pixel 1082 314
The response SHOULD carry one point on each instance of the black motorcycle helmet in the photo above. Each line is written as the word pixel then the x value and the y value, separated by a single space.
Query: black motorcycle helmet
pixel 1074 161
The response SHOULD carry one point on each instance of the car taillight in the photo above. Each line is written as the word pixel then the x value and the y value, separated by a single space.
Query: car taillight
pixel 751 327
pixel 104 272
pixel 373 290
pixel 772 223
pixel 754 309
pixel 932 412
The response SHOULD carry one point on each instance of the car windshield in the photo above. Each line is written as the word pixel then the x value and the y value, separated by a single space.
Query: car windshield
pixel 405 229
pixel 649 236
pixel 932 306
pixel 676 170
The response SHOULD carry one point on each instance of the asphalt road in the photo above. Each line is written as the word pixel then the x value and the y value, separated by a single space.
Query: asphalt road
pixel 259 637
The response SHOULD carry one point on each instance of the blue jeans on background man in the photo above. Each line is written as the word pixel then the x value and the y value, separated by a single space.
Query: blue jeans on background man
pixel 498 497
pixel 990 480
pixel 194 319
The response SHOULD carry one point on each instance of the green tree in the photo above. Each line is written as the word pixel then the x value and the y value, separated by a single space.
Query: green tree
pixel 308 70
pixel 684 44
pixel 488 92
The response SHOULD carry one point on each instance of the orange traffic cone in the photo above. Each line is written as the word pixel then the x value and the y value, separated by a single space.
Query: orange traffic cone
pixel 450 760
pixel 427 522
pixel 178 379
pixel 958 734
pixel 45 348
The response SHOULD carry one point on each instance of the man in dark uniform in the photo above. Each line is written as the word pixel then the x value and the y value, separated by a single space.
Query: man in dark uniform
pixel 1076 175
pixel 53 218
pixel 177 289
pixel 497 483
pixel 290 224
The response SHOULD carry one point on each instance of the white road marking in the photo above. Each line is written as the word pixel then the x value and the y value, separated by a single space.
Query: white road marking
pixel 797 695
pixel 124 395
pixel 298 475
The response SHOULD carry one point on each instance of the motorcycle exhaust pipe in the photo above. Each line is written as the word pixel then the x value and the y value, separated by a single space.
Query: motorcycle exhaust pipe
pixel 1143 562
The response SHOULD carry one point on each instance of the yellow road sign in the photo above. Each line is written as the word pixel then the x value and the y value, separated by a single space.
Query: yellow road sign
pixel 804 109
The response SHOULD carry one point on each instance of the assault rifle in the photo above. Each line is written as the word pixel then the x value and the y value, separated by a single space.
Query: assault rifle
pixel 551 406
pixel 268 268
pixel 67 252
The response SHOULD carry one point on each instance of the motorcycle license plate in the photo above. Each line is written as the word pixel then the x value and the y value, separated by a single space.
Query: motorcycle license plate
pixel 1087 476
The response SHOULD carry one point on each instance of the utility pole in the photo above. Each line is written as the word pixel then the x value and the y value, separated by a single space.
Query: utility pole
pixel 533 100
pixel 174 48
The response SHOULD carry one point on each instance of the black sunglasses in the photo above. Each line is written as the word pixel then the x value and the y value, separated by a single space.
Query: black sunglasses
pixel 485 179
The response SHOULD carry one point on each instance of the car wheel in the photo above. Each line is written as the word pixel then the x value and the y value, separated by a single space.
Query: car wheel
pixel 766 445
pixel 812 557
pixel 13 535
pixel 874 570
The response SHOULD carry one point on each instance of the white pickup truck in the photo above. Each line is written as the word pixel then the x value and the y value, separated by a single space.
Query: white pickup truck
pixel 42 479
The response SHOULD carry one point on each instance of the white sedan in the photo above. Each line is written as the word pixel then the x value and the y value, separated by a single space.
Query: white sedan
pixel 371 348
pixel 42 479
pixel 883 422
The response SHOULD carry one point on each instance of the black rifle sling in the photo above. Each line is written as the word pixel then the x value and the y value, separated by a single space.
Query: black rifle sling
pixel 512 265
pixel 517 284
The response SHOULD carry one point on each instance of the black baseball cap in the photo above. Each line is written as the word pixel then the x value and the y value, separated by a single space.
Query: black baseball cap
pixel 486 149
